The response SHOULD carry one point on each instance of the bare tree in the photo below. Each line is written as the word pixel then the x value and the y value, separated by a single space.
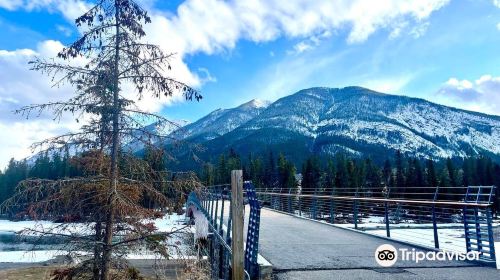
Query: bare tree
pixel 109 195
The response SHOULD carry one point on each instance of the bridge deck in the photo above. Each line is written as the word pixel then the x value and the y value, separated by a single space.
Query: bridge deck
pixel 304 249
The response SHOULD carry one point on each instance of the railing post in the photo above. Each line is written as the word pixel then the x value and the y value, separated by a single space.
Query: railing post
pixel 332 211
pixel 289 200
pixel 434 225
pixel 221 233
pixel 491 239
pixel 211 207
pixel 387 224
pixel 314 206
pixel 237 245
pixel 216 209
pixel 355 210
pixel 300 203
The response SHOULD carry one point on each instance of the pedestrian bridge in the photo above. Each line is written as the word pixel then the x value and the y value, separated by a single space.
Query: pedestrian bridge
pixel 307 235
pixel 301 248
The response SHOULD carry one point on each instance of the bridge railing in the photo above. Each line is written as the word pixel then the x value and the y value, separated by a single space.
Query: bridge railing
pixel 215 203
pixel 450 219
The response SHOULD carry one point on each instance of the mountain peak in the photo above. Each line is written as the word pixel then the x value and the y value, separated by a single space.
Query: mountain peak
pixel 354 120
pixel 255 103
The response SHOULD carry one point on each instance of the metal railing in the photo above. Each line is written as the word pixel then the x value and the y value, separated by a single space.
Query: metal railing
pixel 452 219
pixel 215 203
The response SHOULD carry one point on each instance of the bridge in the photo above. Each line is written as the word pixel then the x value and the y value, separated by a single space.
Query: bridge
pixel 299 248
pixel 310 234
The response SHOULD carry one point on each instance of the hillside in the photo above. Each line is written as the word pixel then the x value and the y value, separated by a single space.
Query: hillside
pixel 355 120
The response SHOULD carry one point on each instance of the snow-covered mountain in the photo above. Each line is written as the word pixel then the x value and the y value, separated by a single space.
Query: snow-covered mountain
pixel 221 121
pixel 351 119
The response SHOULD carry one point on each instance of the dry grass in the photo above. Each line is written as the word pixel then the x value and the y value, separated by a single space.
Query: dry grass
pixel 29 273
pixel 192 271
pixel 197 270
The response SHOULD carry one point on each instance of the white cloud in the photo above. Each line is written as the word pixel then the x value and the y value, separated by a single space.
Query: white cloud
pixel 19 87
pixel 194 28
pixel 204 26
pixel 206 77
pixel 309 43
pixel 213 26
pixel 498 26
pixel 496 3
pixel 419 30
pixel 481 95
pixel 19 135
pixel 302 47
pixel 392 85
pixel 10 4
pixel 24 87
pixel 69 8
pixel 64 30
pixel 263 20
pixel 291 74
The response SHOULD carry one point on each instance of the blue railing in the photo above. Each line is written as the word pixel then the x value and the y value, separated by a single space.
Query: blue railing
pixel 451 219
pixel 214 203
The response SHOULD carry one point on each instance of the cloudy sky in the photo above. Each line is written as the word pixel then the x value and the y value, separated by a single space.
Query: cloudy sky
pixel 446 51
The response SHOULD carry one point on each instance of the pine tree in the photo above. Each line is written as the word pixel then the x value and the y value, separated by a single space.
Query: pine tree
pixel 270 179
pixel 208 174
pixel 373 180
pixel 342 177
pixel 467 172
pixel 387 178
pixel 222 171
pixel 257 172
pixel 115 55
pixel 233 161
pixel 445 183
pixel 431 176
pixel 329 180
pixel 400 178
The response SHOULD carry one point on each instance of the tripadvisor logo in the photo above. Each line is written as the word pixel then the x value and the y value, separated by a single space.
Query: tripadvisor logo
pixel 386 255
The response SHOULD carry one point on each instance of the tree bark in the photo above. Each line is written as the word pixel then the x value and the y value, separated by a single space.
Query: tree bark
pixel 108 238
pixel 97 259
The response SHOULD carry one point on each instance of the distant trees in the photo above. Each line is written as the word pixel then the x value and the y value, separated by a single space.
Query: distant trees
pixel 311 176
pixel 286 174
pixel 398 177
pixel 16 172
pixel 339 175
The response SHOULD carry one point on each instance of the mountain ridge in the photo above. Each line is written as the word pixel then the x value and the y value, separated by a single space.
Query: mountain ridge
pixel 356 120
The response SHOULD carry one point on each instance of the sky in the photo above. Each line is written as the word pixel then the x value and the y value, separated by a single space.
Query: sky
pixel 445 51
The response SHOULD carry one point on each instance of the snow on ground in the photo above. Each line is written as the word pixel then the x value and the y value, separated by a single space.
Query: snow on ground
pixel 168 223
pixel 449 239
pixel 450 235
pixel 28 256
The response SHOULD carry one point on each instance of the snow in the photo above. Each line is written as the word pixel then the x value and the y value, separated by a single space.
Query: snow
pixel 201 225
pixel 413 126
pixel 497 249
pixel 168 223
pixel 28 256
pixel 450 235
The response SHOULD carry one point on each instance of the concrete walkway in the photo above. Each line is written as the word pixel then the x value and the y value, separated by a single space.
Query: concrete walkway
pixel 303 249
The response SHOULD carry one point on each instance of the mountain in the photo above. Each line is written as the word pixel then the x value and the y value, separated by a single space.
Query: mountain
pixel 355 120
pixel 221 121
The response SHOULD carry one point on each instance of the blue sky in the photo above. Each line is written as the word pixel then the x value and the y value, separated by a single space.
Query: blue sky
pixel 446 51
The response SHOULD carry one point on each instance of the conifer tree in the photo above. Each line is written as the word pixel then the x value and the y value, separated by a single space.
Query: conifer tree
pixel 400 174
pixel 110 194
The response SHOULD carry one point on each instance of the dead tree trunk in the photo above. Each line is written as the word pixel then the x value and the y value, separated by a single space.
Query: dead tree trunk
pixel 108 239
